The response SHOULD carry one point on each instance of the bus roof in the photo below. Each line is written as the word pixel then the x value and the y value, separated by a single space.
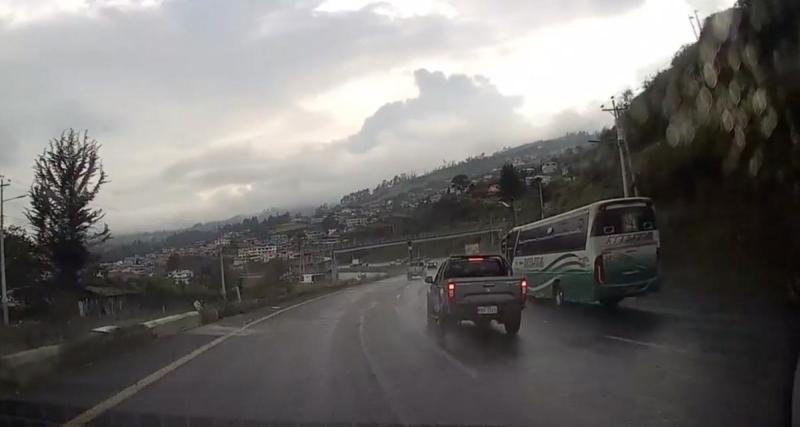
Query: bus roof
pixel 589 207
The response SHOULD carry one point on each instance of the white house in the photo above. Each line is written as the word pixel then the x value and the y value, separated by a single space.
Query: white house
pixel 549 168
pixel 181 277
pixel 352 223
pixel 258 253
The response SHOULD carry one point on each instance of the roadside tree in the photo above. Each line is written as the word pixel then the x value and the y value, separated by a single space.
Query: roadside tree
pixel 68 176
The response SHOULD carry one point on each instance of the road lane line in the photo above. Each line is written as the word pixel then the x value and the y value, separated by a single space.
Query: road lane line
pixel 454 361
pixel 380 378
pixel 97 410
pixel 442 352
pixel 644 343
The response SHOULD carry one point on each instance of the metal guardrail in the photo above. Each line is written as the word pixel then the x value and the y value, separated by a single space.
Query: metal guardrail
pixel 418 239
pixel 406 241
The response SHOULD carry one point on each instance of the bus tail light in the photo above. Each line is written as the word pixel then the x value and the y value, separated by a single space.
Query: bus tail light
pixel 599 270
pixel 451 291
pixel 523 285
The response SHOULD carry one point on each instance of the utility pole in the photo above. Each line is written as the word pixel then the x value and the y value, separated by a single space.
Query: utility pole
pixel 334 273
pixel 3 255
pixel 696 29
pixel 302 259
pixel 223 292
pixel 626 166
pixel 699 23
pixel 3 285
pixel 621 133
pixel 514 213
pixel 541 200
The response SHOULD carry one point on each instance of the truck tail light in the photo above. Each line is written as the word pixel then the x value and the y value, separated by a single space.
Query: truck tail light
pixel 599 270
pixel 451 291
pixel 523 285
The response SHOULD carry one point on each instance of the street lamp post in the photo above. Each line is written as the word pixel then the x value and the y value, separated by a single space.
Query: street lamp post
pixel 510 205
pixel 541 199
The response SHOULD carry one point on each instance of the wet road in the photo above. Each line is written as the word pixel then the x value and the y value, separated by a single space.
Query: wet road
pixel 365 355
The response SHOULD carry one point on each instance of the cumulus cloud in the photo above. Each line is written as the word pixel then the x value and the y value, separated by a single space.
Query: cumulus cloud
pixel 199 104
pixel 171 81
pixel 452 117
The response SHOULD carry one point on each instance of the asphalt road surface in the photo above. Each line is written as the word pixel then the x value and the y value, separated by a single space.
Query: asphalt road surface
pixel 364 355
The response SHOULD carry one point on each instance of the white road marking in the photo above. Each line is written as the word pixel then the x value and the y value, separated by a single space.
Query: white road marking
pixel 644 343
pixel 444 353
pixel 380 378
pixel 455 362
pixel 397 296
pixel 94 412
pixel 220 330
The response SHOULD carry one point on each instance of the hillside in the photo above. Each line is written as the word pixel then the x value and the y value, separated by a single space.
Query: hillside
pixel 437 179
pixel 715 141
pixel 536 152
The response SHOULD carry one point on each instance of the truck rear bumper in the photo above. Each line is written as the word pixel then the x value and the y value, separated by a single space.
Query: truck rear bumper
pixel 469 311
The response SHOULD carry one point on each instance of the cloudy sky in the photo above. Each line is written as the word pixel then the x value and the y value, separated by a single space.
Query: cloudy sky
pixel 209 108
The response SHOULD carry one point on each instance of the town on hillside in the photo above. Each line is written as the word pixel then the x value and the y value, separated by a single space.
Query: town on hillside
pixel 299 246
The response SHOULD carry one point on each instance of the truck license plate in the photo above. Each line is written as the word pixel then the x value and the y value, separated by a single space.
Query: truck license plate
pixel 487 309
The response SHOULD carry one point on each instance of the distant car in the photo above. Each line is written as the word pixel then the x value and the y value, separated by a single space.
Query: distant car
pixel 430 268
pixel 416 269
pixel 478 288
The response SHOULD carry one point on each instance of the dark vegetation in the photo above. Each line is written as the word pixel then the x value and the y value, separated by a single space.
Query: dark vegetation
pixel 716 142
pixel 68 176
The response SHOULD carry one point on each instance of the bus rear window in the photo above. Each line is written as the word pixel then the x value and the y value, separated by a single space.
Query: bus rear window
pixel 624 220
pixel 476 267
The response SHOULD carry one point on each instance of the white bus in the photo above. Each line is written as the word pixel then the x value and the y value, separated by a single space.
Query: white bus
pixel 602 252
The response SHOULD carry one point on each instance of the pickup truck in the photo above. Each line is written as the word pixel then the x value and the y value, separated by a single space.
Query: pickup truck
pixel 478 288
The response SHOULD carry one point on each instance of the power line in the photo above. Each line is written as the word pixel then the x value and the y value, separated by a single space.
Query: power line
pixel 694 29
pixel 697 24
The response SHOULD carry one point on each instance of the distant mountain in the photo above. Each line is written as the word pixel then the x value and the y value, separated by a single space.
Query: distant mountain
pixel 152 237
pixel 214 225
pixel 475 166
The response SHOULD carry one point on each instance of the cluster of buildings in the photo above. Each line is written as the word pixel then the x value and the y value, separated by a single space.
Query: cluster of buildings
pixel 304 243
pixel 133 266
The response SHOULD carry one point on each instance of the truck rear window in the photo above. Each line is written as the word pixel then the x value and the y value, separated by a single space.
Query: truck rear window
pixel 620 220
pixel 476 267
